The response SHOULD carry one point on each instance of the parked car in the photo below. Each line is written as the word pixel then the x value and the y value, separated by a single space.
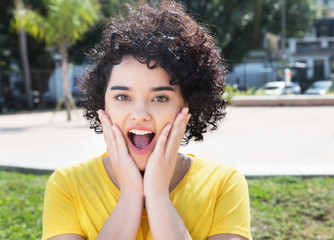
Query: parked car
pixel 279 88
pixel 294 88
pixel 319 87
pixel 20 101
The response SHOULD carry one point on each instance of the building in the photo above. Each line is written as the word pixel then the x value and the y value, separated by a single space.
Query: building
pixel 316 51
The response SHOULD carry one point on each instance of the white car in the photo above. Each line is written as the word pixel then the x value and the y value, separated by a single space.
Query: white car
pixel 319 88
pixel 279 88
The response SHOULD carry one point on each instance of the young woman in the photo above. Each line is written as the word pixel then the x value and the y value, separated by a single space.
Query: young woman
pixel 157 80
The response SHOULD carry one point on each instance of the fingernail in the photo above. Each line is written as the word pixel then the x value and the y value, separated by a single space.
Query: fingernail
pixel 99 114
pixel 114 128
pixel 185 110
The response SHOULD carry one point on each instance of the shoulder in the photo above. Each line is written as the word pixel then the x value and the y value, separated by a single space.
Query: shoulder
pixel 215 169
pixel 75 173
pixel 216 176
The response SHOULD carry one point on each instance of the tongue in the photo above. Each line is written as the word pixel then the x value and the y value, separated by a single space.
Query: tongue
pixel 141 141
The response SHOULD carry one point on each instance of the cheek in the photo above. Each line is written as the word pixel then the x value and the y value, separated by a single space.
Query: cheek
pixel 115 118
pixel 168 116
pixel 110 110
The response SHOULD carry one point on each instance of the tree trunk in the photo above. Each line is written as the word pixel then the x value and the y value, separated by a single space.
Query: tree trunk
pixel 257 34
pixel 25 62
pixel 62 46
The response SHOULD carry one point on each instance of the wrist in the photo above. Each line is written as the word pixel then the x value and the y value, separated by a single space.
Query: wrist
pixel 133 198
pixel 156 199
pixel 159 193
pixel 131 194
pixel 131 189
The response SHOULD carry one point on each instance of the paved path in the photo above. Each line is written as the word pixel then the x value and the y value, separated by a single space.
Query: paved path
pixel 257 140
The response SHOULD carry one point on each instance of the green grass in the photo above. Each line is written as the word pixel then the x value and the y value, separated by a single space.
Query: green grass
pixel 282 208
pixel 287 208
pixel 21 202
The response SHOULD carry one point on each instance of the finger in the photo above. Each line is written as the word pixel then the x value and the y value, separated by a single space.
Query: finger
pixel 105 125
pixel 180 123
pixel 120 140
pixel 181 119
pixel 162 140
pixel 105 120
pixel 178 130
pixel 108 133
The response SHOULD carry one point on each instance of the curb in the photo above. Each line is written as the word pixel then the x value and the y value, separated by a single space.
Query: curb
pixel 285 100
pixel 25 170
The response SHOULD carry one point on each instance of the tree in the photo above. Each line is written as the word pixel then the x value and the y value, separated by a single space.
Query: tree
pixel 24 58
pixel 300 15
pixel 239 25
pixel 65 22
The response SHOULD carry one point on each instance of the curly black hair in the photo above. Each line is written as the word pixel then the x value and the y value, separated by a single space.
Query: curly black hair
pixel 165 36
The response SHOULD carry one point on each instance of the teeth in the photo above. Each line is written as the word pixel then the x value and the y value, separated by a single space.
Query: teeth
pixel 139 132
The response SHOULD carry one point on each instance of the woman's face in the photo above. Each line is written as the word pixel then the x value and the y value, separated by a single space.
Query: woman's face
pixel 141 101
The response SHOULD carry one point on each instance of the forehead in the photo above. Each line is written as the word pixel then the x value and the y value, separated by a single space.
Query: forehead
pixel 131 71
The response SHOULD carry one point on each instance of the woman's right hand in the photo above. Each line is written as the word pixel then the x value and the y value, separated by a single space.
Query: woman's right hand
pixel 124 168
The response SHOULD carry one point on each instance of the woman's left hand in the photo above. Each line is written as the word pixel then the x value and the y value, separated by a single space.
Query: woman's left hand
pixel 161 163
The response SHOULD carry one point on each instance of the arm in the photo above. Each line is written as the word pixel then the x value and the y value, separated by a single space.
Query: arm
pixel 165 222
pixel 232 210
pixel 68 237
pixel 59 213
pixel 124 221
pixel 226 237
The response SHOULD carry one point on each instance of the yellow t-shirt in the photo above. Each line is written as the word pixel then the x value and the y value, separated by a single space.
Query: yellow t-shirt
pixel 211 199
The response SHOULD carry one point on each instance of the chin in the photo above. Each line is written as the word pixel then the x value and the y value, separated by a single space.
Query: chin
pixel 140 161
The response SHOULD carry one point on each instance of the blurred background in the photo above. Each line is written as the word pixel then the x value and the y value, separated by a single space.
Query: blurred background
pixel 275 50
pixel 272 47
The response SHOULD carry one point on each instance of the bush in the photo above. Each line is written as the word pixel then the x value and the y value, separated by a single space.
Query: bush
pixel 231 91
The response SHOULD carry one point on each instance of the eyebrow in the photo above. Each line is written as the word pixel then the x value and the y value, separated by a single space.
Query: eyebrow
pixel 120 88
pixel 163 88
pixel 156 89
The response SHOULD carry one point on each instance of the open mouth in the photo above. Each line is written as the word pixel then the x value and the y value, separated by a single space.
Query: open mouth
pixel 140 138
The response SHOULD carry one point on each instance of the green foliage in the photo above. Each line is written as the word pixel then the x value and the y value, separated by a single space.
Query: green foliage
pixel 64 18
pixel 282 208
pixel 300 15
pixel 231 91
pixel 9 50
pixel 239 25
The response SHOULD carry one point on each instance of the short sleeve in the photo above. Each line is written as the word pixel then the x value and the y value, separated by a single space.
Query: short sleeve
pixel 59 211
pixel 232 211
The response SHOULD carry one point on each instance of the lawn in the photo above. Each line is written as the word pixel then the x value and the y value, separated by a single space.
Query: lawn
pixel 282 208
pixel 286 208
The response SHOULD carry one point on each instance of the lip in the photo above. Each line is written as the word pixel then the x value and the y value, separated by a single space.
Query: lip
pixel 133 148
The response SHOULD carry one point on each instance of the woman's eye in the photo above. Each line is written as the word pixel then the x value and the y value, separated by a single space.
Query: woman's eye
pixel 122 98
pixel 160 99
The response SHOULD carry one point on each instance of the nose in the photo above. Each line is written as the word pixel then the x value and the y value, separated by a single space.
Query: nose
pixel 140 112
